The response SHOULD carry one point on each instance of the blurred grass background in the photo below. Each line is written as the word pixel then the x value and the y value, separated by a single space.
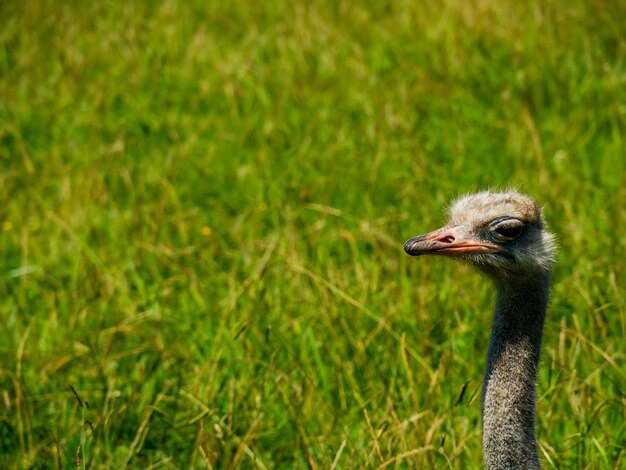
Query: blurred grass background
pixel 202 214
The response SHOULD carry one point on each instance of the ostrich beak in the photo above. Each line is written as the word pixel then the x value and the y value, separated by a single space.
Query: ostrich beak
pixel 449 241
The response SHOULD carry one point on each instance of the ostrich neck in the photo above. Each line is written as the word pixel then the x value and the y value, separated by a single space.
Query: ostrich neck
pixel 509 385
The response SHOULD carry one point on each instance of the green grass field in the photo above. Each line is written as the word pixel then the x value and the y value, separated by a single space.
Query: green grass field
pixel 202 213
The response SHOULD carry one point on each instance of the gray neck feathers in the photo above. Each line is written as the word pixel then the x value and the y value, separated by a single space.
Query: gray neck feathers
pixel 509 386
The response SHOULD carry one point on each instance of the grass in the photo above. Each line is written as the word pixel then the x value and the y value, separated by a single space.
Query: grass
pixel 202 214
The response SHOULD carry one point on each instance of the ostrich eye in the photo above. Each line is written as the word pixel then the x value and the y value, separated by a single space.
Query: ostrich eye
pixel 506 230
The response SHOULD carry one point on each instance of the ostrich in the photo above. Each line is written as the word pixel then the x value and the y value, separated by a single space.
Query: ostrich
pixel 503 235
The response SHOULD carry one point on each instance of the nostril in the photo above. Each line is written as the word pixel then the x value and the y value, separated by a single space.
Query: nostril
pixel 448 239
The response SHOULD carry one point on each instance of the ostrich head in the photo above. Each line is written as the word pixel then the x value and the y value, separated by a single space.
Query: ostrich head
pixel 501 234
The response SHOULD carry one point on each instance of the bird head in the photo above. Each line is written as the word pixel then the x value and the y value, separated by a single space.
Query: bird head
pixel 501 234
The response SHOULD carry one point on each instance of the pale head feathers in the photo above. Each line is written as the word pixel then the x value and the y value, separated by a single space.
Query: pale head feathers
pixel 533 252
